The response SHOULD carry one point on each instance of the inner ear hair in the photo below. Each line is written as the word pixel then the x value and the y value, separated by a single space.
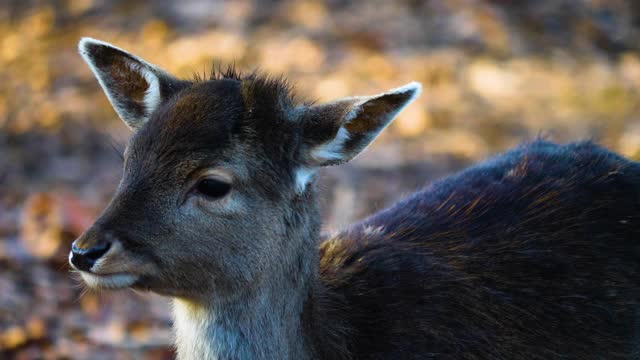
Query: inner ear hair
pixel 132 85
pixel 337 132
pixel 355 122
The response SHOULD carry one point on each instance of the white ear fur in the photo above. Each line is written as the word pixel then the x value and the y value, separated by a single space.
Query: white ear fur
pixel 152 95
pixel 334 151
pixel 149 71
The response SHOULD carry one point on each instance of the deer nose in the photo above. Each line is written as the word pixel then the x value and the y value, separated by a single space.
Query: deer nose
pixel 83 259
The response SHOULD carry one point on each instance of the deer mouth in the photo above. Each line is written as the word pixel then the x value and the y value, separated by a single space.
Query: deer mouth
pixel 109 281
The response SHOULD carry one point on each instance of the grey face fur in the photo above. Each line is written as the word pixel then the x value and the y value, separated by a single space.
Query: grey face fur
pixel 217 194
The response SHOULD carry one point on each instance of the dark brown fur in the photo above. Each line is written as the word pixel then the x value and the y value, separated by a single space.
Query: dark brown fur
pixel 532 255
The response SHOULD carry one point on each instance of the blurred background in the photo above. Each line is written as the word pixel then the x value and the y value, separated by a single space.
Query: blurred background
pixel 495 73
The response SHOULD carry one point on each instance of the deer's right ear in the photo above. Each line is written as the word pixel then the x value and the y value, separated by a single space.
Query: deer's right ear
pixel 336 132
pixel 134 87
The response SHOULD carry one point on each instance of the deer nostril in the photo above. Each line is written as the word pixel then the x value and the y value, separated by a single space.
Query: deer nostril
pixel 84 259
pixel 96 252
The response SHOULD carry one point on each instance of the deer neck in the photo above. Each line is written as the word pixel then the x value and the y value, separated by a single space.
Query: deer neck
pixel 268 326
pixel 266 323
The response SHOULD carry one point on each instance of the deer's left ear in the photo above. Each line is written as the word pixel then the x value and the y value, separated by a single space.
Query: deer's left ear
pixel 336 132
pixel 134 87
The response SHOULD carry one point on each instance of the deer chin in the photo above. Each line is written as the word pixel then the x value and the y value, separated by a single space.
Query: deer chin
pixel 109 281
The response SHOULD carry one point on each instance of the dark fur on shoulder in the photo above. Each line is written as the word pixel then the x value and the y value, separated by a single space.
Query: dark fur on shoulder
pixel 534 254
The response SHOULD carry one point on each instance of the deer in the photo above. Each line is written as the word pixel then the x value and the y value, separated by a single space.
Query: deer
pixel 531 254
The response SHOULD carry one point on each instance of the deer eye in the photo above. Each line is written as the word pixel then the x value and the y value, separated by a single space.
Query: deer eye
pixel 213 188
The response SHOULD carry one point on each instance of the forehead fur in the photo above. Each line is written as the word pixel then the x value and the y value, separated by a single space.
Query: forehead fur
pixel 258 86
pixel 228 116
pixel 223 105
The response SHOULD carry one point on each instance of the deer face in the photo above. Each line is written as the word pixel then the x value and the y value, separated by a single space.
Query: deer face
pixel 216 193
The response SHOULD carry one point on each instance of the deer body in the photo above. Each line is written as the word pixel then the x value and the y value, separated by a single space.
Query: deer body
pixel 530 255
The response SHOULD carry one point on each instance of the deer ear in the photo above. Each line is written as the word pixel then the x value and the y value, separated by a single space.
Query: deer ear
pixel 338 131
pixel 134 87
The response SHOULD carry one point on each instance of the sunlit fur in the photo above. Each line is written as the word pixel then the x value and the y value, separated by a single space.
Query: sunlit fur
pixel 533 254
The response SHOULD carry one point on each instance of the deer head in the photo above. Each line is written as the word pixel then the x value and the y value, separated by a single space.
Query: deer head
pixel 217 190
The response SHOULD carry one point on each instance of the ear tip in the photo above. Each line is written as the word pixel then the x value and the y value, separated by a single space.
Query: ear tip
pixel 414 87
pixel 412 90
pixel 86 42
pixel 415 84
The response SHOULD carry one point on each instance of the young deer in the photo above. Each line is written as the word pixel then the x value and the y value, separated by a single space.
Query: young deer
pixel 531 255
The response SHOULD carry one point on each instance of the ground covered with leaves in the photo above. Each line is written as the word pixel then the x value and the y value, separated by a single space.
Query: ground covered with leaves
pixel 495 73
